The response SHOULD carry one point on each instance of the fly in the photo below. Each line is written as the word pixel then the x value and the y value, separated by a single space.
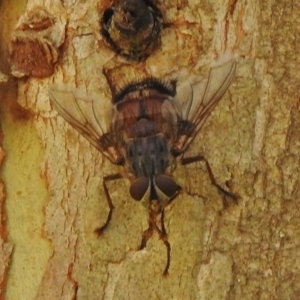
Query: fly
pixel 152 124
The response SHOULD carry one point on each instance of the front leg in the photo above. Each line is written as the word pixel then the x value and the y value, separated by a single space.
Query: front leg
pixel 162 234
pixel 147 234
pixel 164 237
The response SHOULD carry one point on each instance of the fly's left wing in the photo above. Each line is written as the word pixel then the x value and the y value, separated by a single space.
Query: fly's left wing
pixel 88 116
pixel 197 97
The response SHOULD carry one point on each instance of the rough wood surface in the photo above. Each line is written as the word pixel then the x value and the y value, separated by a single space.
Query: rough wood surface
pixel 6 247
pixel 53 176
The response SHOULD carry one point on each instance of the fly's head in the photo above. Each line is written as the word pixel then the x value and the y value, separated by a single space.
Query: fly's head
pixel 154 192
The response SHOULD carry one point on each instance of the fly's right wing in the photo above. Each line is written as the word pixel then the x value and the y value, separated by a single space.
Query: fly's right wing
pixel 197 97
pixel 88 116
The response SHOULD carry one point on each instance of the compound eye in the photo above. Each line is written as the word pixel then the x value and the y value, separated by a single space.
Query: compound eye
pixel 139 188
pixel 166 185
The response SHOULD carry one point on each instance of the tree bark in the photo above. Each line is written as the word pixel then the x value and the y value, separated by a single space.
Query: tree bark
pixel 53 176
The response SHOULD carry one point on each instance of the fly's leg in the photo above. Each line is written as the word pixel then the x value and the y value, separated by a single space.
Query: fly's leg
pixel 152 223
pixel 99 231
pixel 162 234
pixel 189 160
pixel 164 237
pixel 146 235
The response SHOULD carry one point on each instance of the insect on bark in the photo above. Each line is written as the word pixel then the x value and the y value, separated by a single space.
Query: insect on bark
pixel 153 123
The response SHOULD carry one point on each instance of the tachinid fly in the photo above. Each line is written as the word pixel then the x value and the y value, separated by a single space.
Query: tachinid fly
pixel 152 124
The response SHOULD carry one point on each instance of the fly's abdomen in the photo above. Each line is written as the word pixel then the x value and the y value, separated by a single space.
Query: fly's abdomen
pixel 143 117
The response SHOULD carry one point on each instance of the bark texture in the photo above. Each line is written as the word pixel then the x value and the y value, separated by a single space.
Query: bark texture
pixel 53 176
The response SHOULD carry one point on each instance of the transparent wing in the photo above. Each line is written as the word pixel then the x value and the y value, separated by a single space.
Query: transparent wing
pixel 88 116
pixel 197 97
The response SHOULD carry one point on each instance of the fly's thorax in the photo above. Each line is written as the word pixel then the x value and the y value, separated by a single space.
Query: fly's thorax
pixel 147 156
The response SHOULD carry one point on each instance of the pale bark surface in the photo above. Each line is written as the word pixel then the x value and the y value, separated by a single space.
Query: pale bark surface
pixel 53 176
